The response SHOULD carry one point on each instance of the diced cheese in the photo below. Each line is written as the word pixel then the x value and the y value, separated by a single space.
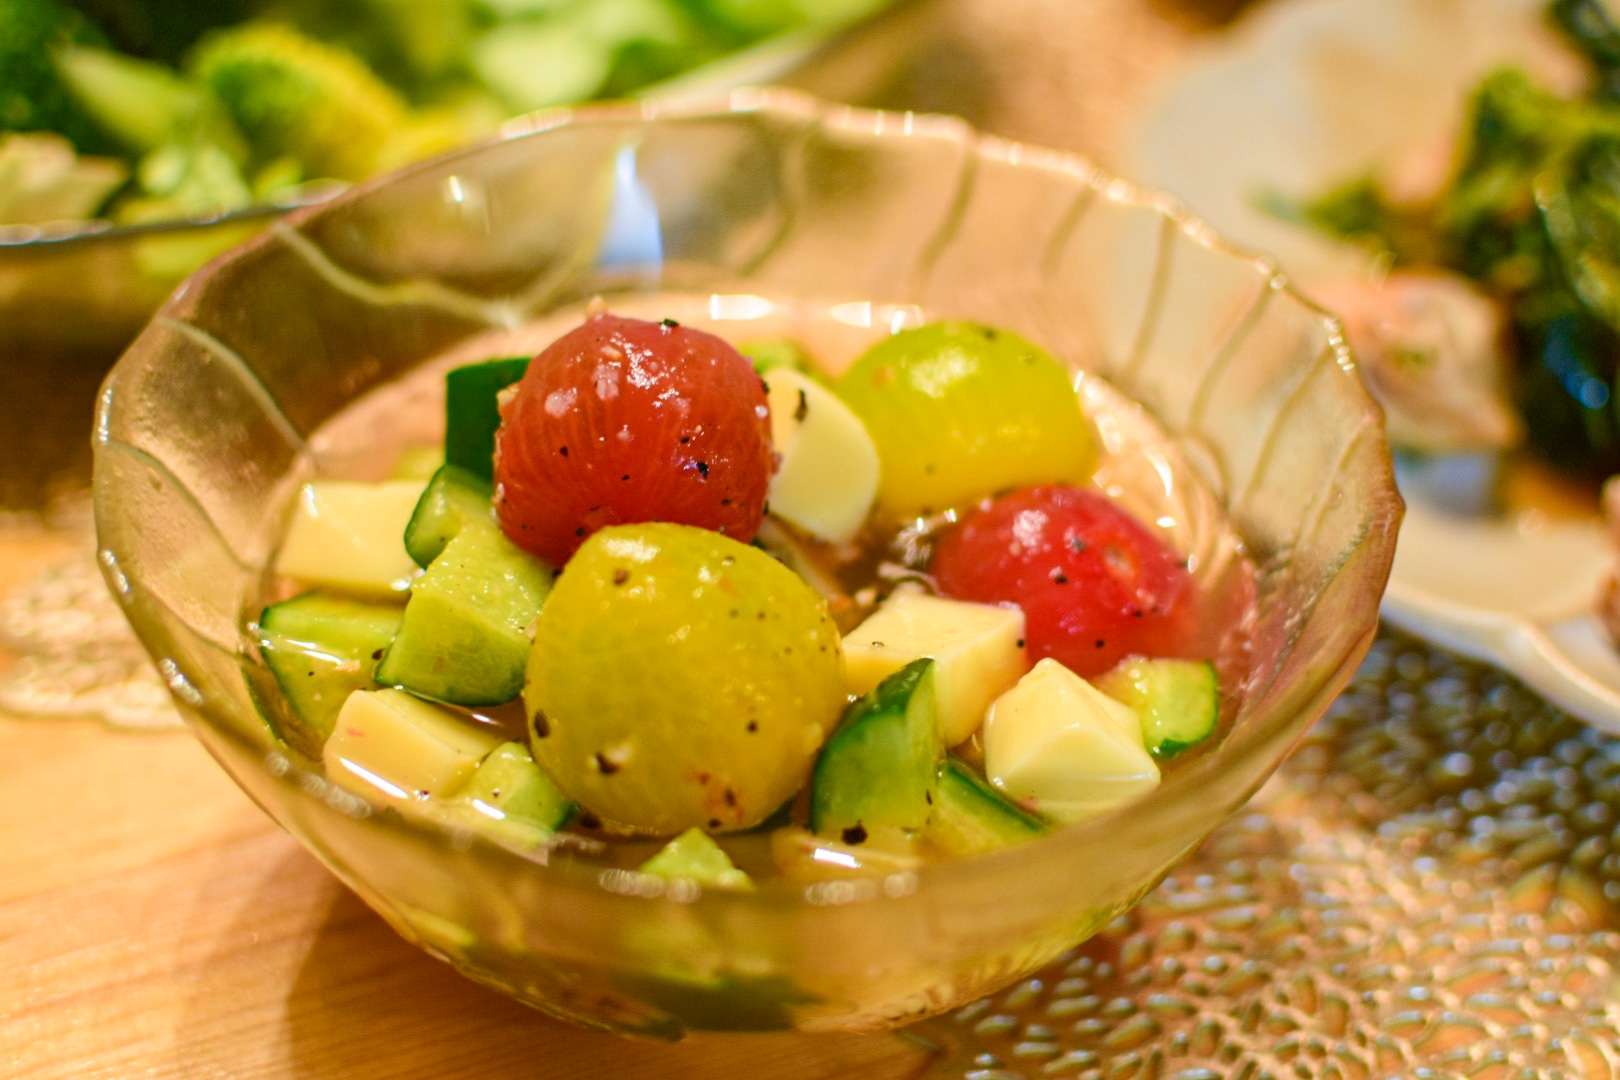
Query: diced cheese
pixel 389 744
pixel 977 649
pixel 828 475
pixel 350 535
pixel 1060 745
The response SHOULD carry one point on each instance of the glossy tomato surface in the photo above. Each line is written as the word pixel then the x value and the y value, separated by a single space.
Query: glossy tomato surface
pixel 1095 584
pixel 622 420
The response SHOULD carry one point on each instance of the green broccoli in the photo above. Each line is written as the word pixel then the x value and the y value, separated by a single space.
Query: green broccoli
pixel 293 96
pixel 32 97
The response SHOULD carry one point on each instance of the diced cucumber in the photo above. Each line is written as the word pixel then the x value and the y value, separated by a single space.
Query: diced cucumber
pixel 348 535
pixel 768 354
pixel 694 855
pixel 452 498
pixel 880 768
pixel 1177 701
pixel 321 649
pixel 471 415
pixel 418 463
pixel 390 746
pixel 509 799
pixel 971 816
pixel 465 635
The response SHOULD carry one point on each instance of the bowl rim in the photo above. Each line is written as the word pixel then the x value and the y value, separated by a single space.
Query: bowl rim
pixel 1158 810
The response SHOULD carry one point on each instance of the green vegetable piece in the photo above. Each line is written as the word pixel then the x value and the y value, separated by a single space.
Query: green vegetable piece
pixel 321 648
pixel 464 639
pixel 471 415
pixel 972 817
pixel 144 105
pixel 767 354
pixel 695 855
pixel 453 498
pixel 292 95
pixel 510 798
pixel 418 463
pixel 1177 701
pixel 32 95
pixel 880 769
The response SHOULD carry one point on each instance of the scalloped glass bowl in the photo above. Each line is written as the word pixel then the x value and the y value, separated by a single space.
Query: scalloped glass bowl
pixel 203 434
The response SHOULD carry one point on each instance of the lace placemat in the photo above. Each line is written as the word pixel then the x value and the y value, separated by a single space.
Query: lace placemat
pixel 69 651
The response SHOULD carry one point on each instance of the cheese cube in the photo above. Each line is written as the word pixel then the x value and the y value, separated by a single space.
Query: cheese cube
pixel 828 475
pixel 389 744
pixel 1058 744
pixel 978 652
pixel 350 535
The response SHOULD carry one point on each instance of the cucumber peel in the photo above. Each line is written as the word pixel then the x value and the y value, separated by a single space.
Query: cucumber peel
pixel 880 769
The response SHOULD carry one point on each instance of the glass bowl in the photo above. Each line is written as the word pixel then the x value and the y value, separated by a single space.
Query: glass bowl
pixel 204 433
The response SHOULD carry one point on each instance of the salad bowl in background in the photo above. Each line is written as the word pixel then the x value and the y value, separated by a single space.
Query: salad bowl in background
pixel 204 432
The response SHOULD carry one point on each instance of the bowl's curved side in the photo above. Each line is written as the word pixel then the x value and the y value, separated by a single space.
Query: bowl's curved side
pixel 204 429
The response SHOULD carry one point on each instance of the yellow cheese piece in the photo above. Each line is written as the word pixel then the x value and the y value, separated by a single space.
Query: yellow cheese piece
pixel 828 475
pixel 350 535
pixel 390 744
pixel 978 652
pixel 1058 744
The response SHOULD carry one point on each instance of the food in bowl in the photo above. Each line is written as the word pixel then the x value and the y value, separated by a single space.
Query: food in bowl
pixel 819 613
pixel 319 351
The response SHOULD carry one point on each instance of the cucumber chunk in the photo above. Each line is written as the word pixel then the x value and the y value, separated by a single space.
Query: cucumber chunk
pixel 1177 701
pixel 471 413
pixel 769 354
pixel 510 800
pixel 320 649
pixel 452 498
pixel 465 635
pixel 972 817
pixel 694 855
pixel 880 769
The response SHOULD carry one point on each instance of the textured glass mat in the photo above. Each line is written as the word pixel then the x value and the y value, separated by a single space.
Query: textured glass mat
pixel 1429 888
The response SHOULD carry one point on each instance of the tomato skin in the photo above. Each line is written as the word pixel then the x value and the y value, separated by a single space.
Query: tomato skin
pixel 1095 584
pixel 622 420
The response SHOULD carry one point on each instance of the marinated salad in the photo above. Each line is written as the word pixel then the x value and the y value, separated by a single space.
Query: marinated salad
pixel 719 613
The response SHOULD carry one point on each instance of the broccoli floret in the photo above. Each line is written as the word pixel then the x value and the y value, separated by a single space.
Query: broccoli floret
pixel 293 96
pixel 32 97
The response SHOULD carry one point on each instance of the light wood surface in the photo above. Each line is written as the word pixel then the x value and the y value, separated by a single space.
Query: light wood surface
pixel 154 923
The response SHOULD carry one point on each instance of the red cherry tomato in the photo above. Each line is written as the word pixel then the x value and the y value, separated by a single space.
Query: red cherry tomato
pixel 1095 585
pixel 622 420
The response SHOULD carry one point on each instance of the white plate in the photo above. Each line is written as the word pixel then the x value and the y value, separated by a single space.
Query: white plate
pixel 1301 95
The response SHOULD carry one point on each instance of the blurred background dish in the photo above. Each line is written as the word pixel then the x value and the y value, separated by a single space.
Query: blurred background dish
pixel 1437 173
pixel 140 138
